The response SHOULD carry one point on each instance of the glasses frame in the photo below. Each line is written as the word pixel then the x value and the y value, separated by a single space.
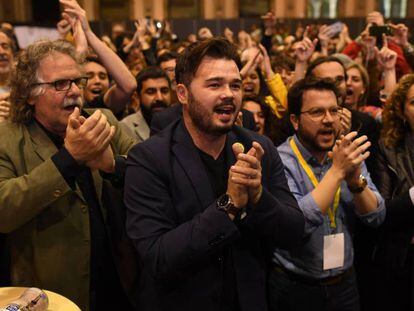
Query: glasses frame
pixel 78 84
pixel 324 115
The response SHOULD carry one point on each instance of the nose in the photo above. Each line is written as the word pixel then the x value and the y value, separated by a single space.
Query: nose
pixel 328 118
pixel 227 92
pixel 74 89
pixel 158 95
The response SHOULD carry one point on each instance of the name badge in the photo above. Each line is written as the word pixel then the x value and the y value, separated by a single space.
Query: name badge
pixel 333 251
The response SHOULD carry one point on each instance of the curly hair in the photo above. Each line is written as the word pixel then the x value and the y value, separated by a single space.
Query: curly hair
pixel 25 76
pixel 394 125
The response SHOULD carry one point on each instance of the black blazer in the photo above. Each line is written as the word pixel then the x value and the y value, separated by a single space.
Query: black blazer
pixel 394 177
pixel 179 233
pixel 162 119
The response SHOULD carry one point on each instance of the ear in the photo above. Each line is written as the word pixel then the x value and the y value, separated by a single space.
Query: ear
pixel 31 101
pixel 182 93
pixel 294 119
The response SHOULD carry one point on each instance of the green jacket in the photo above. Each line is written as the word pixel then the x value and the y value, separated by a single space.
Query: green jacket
pixel 47 222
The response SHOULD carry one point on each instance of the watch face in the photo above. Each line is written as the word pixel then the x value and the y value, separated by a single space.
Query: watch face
pixel 223 201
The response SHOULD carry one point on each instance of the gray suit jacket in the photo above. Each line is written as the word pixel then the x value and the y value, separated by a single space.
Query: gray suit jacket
pixel 136 126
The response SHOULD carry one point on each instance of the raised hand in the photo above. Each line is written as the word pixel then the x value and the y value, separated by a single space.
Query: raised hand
pixel 63 27
pixel 247 172
pixel 387 58
pixel 73 9
pixel 4 106
pixel 368 44
pixel 204 33
pixel 87 138
pixel 400 34
pixel 348 153
pixel 305 48
pixel 346 121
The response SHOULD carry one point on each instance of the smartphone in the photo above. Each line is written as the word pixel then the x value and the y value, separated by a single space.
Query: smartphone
pixel 378 31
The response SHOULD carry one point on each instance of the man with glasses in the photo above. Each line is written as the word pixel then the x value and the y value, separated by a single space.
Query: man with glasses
pixel 329 179
pixel 58 166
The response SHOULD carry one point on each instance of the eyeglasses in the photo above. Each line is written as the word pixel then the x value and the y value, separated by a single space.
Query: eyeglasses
pixel 66 84
pixel 319 114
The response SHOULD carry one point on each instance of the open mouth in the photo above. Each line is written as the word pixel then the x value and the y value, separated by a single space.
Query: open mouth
pixel 72 103
pixel 96 91
pixel 70 107
pixel 327 133
pixel 227 109
pixel 225 112
pixel 248 88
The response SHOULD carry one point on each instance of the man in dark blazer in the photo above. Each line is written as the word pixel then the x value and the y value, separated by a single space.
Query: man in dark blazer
pixel 203 214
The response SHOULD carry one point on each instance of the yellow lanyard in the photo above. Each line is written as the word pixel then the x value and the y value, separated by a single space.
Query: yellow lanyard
pixel 312 177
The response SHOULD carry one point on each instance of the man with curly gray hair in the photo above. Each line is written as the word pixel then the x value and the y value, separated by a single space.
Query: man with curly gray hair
pixel 58 165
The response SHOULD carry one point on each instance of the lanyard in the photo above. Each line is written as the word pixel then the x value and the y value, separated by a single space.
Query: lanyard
pixel 312 177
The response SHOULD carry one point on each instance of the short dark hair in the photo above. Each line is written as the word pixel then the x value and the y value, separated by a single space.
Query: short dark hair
pixel 151 72
pixel 295 94
pixel 282 61
pixel 189 61
pixel 321 60
pixel 93 59
pixel 164 57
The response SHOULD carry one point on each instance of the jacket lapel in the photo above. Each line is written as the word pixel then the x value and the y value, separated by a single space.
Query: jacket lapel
pixel 44 148
pixel 42 145
pixel 187 155
pixel 141 127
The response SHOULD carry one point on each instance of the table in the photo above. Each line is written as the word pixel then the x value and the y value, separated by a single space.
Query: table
pixel 56 302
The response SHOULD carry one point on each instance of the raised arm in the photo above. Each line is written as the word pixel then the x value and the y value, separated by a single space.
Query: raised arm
pixel 119 94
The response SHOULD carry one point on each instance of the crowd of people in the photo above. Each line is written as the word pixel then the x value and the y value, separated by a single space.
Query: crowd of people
pixel 257 171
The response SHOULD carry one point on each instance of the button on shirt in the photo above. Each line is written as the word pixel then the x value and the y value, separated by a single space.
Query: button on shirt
pixel 307 259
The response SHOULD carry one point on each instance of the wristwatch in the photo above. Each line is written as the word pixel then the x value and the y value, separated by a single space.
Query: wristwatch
pixel 361 185
pixel 225 204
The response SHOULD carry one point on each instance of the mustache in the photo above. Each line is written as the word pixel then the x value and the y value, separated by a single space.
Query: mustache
pixel 159 104
pixel 4 57
pixel 72 101
pixel 227 102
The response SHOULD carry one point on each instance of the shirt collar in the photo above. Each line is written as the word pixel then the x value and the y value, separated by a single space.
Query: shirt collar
pixel 309 158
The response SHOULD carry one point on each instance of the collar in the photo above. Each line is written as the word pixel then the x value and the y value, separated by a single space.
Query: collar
pixel 309 158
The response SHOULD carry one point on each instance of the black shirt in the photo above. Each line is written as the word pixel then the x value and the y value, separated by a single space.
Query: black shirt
pixel 104 281
pixel 217 172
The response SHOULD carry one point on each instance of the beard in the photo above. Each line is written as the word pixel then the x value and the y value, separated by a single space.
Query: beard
pixel 203 119
pixel 155 106
pixel 311 141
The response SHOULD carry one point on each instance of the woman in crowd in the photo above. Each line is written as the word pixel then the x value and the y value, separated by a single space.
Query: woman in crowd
pixel 394 255
pixel 266 122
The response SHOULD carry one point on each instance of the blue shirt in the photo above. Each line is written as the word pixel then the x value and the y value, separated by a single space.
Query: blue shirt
pixel 307 259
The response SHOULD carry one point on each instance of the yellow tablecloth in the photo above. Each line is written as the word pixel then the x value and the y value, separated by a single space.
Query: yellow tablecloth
pixel 56 302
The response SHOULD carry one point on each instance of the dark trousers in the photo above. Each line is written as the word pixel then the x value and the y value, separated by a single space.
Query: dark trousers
pixel 290 293
pixel 393 287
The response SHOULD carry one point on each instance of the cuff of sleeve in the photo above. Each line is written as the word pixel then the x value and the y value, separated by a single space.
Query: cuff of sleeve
pixel 376 217
pixel 411 192
pixel 117 178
